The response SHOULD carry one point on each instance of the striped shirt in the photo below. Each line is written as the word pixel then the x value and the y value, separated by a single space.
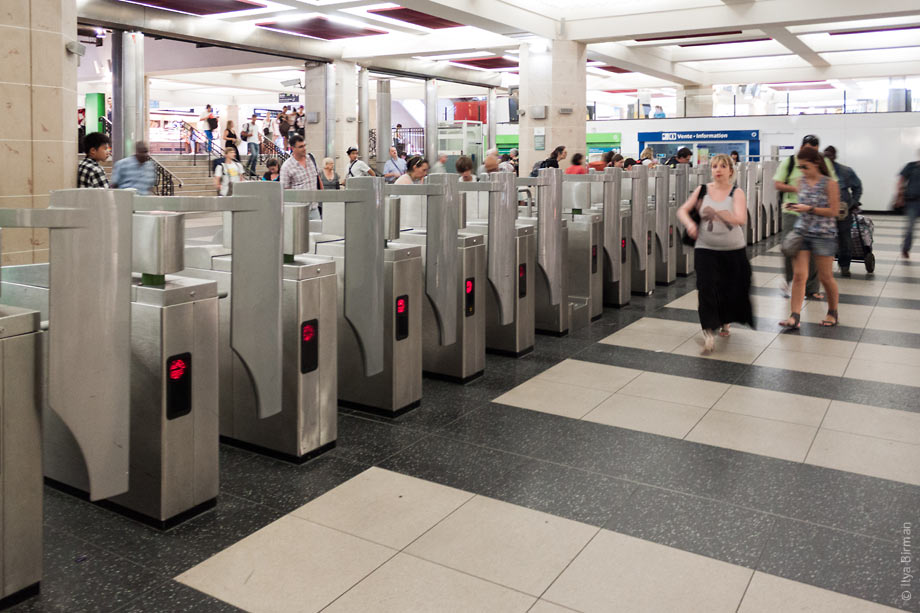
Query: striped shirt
pixel 91 174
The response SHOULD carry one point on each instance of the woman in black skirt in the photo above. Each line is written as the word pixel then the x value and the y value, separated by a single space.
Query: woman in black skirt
pixel 723 273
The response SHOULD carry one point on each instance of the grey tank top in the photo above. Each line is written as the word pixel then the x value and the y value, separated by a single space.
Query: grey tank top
pixel 716 234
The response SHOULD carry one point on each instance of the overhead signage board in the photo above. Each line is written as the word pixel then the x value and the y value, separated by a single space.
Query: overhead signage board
pixel 707 135
pixel 288 98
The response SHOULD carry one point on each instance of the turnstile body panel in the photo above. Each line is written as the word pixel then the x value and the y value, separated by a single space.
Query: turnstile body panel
pixel 584 261
pixel 551 318
pixel 174 409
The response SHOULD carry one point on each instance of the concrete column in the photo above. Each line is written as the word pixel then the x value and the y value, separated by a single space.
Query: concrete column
pixel 314 101
pixel 431 121
pixel 364 115
pixel 694 101
pixel 345 114
pixel 129 120
pixel 384 129
pixel 550 85
pixel 490 118
pixel 38 87
pixel 329 109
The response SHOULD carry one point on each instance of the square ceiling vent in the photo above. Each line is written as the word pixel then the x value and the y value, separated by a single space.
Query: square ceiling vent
pixel 200 7
pixel 417 18
pixel 320 28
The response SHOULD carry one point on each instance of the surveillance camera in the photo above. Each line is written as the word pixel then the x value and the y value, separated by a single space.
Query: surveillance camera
pixel 75 48
pixel 291 83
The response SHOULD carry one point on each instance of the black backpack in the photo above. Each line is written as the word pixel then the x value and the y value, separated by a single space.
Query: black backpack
pixel 212 123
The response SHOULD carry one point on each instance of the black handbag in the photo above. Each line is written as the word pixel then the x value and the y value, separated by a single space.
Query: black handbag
pixel 695 216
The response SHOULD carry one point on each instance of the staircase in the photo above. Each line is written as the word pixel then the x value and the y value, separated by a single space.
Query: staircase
pixel 191 171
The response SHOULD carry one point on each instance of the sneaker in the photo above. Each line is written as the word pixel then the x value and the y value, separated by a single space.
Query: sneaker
pixel 709 341
pixel 845 272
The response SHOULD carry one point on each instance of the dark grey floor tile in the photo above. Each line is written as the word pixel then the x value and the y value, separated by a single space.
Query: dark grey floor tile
pixel 79 576
pixel 505 428
pixel 559 348
pixel 713 529
pixel 668 363
pixel 367 441
pixel 284 486
pixel 566 492
pixel 174 597
pixel 896 339
pixel 453 463
pixel 854 565
pixel 899 303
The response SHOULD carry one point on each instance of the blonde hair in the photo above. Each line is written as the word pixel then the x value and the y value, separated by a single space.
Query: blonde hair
pixel 725 159
pixel 328 161
pixel 647 154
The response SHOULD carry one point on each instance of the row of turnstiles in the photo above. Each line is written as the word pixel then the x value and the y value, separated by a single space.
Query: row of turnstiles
pixel 162 325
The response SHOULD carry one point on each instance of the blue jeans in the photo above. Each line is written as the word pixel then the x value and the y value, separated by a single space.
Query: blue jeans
pixel 912 208
pixel 210 135
pixel 253 156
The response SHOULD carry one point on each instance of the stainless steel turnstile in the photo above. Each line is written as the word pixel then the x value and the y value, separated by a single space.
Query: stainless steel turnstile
pixel 380 297
pixel 83 364
pixel 584 258
pixel 680 188
pixel 666 239
pixel 635 190
pixel 552 309
pixel 747 178
pixel 453 338
pixel 769 200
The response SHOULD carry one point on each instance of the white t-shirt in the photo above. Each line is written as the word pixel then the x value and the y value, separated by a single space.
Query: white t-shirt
pixel 228 172
pixel 358 169
pixel 254 128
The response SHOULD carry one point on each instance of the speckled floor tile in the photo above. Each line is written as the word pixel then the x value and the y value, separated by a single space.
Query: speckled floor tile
pixel 616 572
pixel 507 544
pixel 505 428
pixel 768 594
pixel 453 463
pixel 665 363
pixel 565 492
pixel 713 529
pixel 174 597
pixel 368 441
pixel 407 583
pixel 79 576
pixel 854 565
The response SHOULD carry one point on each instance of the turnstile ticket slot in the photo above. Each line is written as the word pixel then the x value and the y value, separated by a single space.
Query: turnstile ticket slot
pixel 593 259
pixel 622 249
pixel 522 280
pixel 309 346
pixel 402 317
pixel 470 304
pixel 178 385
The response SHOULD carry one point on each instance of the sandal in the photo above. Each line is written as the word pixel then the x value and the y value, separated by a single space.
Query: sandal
pixel 818 296
pixel 796 322
pixel 726 330
pixel 708 341
pixel 830 324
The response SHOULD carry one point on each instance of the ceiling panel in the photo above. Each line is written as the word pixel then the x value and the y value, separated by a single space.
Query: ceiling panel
pixel 415 18
pixel 750 63
pixel 876 56
pixel 321 28
pixel 200 7
pixel 488 63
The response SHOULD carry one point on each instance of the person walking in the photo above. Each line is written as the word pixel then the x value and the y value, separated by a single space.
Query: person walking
pixel 416 171
pixel 577 167
pixel 786 181
pixel 135 172
pixel 850 193
pixel 231 139
pixel 683 156
pixel 908 198
pixel 90 172
pixel 251 133
pixel 357 167
pixel 464 167
pixel 818 205
pixel 228 173
pixel 300 171
pixel 723 273
pixel 395 167
pixel 274 170
pixel 440 167
pixel 208 123
pixel 329 176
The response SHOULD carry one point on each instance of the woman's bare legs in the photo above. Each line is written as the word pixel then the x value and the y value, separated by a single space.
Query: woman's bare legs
pixel 799 279
pixel 825 266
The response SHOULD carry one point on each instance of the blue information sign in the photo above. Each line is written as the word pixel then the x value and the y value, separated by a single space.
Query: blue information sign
pixel 752 137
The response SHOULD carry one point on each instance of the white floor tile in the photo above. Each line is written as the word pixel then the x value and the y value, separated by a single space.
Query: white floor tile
pixel 644 340
pixel 754 402
pixel 687 301
pixel 909 291
pixel 552 397
pixel 893 324
pixel 897 313
pixel 290 565
pixel 385 507
pixel 887 353
pixel 669 327
pixel 406 584
pixel 647 415
pixel 891 424
pixel 507 544
pixel 590 374
pixel 852 315
pixel 865 455
pixel 804 362
pixel 544 606
pixel 770 594
pixel 682 390
pixel 616 572
pixel 811 344
pixel 777 439
pixel 886 372
pixel 859 287
pixel 726 351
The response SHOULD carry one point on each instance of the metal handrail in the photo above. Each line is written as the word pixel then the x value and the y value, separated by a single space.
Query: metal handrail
pixel 165 183
pixel 196 136
pixel 272 151
pixel 107 126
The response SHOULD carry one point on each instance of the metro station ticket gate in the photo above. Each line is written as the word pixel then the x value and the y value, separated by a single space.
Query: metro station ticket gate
pixel 585 258
pixel 552 310
pixel 83 364
pixel 680 189
pixel 304 423
pixel 667 240
pixel 380 296
pixel 617 269
pixel 643 216
pixel 769 200
pixel 492 209
pixel 453 322
pixel 749 180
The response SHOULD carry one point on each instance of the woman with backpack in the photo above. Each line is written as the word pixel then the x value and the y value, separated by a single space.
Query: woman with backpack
pixel 558 154
pixel 714 216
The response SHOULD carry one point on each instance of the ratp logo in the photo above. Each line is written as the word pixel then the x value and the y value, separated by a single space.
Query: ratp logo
pixel 669 136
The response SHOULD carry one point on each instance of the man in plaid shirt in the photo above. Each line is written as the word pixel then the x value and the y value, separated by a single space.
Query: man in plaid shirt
pixel 89 172
pixel 300 171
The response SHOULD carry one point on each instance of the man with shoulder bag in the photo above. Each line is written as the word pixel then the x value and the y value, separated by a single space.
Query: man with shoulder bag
pixel 850 194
